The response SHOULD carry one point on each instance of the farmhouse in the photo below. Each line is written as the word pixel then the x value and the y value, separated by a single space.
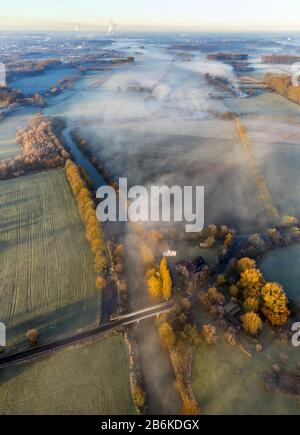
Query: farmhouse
pixel 192 268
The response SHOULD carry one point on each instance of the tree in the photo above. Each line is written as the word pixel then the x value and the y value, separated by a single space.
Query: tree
pixel 224 230
pixel 251 282
pixel 190 335
pixel 100 263
pixel 275 304
pixel 166 280
pixel 234 291
pixel 252 323
pixel 119 251
pixel 245 264
pixel 228 240
pixel 213 231
pixel 215 296
pixel 167 335
pixel 221 280
pixel 151 272
pixel 138 396
pixel 122 285
pixel 289 220
pixel 155 236
pixel 119 268
pixel 210 242
pixel 147 255
pixel 94 232
pixel 251 304
pixel 32 337
pixel 274 235
pixel 155 287
pixel 96 245
pixel 100 282
pixel 209 334
pixel 167 287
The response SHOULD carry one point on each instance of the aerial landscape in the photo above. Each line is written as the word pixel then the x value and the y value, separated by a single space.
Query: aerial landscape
pixel 149 315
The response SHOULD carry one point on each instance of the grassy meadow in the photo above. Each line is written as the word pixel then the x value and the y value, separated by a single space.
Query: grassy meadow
pixel 93 379
pixel 46 267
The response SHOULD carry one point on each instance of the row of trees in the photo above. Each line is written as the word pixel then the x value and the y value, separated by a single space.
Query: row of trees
pixel 281 59
pixel 259 296
pixel 180 336
pixel 282 84
pixel 94 233
pixel 10 98
pixel 84 145
pixel 160 282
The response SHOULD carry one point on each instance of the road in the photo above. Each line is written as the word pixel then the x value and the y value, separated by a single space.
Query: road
pixel 127 319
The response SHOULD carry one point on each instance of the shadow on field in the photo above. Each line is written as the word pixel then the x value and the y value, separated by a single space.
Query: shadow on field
pixel 38 236
pixel 16 224
pixel 58 324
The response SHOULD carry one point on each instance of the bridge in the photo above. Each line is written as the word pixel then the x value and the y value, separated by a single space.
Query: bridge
pixel 118 322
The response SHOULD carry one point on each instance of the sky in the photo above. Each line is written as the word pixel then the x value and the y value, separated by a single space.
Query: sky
pixel 152 15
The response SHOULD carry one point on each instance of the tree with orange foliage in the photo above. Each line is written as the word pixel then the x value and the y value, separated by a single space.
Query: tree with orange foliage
pixel 167 335
pixel 234 291
pixel 155 236
pixel 210 242
pixel 96 245
pixel 86 206
pixel 251 282
pixel 251 304
pixel 166 279
pixel 147 255
pixel 289 220
pixel 275 304
pixel 119 268
pixel 215 296
pixel 100 263
pixel 33 337
pixel 150 272
pixel 155 287
pixel 245 264
pixel 119 251
pixel 228 240
pixel 100 283
pixel 252 323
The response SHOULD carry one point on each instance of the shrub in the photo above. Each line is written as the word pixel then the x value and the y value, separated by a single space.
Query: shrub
pixel 209 335
pixel 32 337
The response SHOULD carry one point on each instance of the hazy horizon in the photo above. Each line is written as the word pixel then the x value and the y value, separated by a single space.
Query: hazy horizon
pixel 134 15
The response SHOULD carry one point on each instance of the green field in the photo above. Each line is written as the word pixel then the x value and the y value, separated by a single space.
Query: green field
pixel 240 379
pixel 46 272
pixel 93 379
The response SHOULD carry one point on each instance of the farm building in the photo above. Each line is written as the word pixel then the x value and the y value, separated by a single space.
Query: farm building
pixel 192 268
